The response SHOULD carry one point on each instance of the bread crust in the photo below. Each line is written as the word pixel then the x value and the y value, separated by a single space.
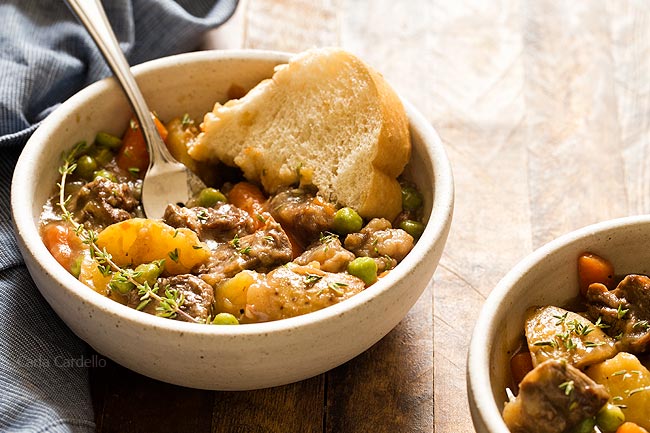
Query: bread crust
pixel 287 130
pixel 393 153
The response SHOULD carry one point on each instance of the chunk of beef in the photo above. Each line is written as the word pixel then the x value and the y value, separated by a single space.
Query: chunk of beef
pixel 626 310
pixel 303 213
pixel 293 290
pixel 219 223
pixel 266 248
pixel 103 202
pixel 329 253
pixel 262 250
pixel 388 246
pixel 553 398
pixel 197 294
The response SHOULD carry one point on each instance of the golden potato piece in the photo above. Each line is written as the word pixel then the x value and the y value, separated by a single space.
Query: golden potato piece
pixel 138 240
pixel 230 295
pixel 92 277
pixel 293 290
pixel 179 135
pixel 628 383
pixel 555 333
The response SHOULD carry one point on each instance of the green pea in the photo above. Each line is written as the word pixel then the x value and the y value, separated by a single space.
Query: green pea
pixel 86 166
pixel 585 426
pixel 119 283
pixel 411 198
pixel 148 272
pixel 103 156
pixel 208 197
pixel 364 268
pixel 105 139
pixel 75 268
pixel 105 174
pixel 414 228
pixel 347 220
pixel 225 319
pixel 609 418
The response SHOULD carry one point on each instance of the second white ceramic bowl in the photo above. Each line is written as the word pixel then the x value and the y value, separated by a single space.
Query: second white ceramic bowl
pixel 549 276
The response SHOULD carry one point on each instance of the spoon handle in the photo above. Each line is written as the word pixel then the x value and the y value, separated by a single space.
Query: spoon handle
pixel 91 14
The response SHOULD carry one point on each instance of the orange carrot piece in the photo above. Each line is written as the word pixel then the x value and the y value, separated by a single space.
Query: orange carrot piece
pixel 133 154
pixel 520 364
pixel 594 269
pixel 247 196
pixel 63 243
pixel 630 427
pixel 250 198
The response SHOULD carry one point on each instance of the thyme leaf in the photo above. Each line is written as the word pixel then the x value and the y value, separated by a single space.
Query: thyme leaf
pixel 312 278
pixel 336 288
pixel 561 318
pixel 567 387
pixel 202 215
pixel 186 121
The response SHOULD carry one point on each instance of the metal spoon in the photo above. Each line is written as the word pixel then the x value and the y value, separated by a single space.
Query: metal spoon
pixel 166 180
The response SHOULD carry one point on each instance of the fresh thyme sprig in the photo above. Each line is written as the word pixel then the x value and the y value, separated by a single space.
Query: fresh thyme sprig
pixel 169 304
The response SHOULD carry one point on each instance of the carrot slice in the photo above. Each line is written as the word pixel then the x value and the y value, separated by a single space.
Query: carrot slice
pixel 630 427
pixel 247 196
pixel 520 364
pixel 63 243
pixel 250 198
pixel 133 155
pixel 594 269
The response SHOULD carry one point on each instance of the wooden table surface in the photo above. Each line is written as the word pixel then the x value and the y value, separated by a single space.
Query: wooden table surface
pixel 544 109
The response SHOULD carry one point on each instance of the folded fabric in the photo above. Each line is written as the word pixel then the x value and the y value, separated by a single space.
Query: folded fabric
pixel 45 57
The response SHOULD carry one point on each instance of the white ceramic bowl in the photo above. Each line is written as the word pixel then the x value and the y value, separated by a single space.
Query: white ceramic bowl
pixel 216 357
pixel 549 276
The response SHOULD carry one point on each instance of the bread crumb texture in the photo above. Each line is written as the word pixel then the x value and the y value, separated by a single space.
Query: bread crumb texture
pixel 326 119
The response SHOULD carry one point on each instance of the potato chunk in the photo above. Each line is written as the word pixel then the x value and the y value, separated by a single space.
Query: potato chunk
pixel 230 295
pixel 180 133
pixel 555 333
pixel 628 382
pixel 92 277
pixel 293 290
pixel 136 241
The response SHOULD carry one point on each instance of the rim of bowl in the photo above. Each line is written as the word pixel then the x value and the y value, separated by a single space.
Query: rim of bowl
pixel 27 226
pixel 485 409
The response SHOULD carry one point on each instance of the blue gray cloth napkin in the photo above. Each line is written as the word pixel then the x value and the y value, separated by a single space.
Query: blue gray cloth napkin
pixel 45 57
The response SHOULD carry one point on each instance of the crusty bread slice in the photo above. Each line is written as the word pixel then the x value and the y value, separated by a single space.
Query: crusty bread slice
pixel 326 119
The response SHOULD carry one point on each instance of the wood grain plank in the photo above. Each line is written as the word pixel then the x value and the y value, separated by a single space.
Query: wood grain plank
pixel 291 25
pixel 476 104
pixel 134 403
pixel 630 42
pixel 575 164
pixel 296 407
pixel 98 389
